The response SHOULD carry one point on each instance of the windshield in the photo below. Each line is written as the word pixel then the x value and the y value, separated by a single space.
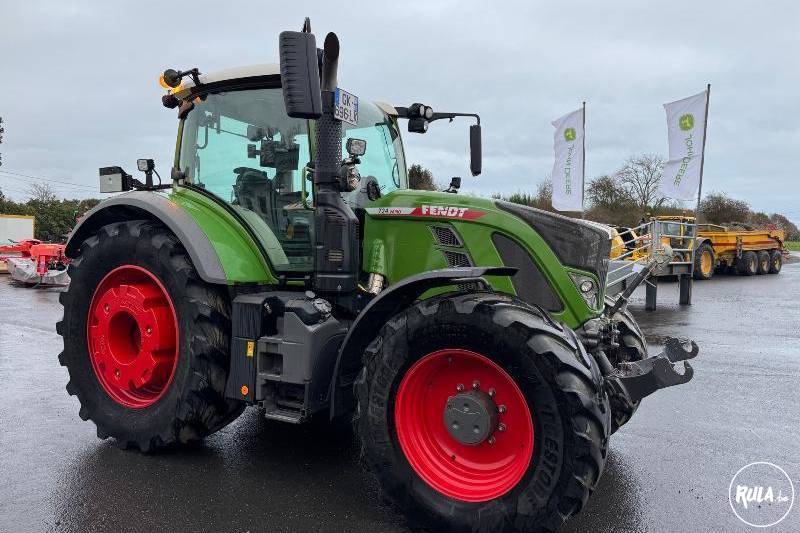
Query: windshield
pixel 242 147
pixel 383 161
pixel 672 229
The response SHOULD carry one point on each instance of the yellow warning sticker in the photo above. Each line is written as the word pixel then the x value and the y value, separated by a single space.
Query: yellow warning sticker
pixel 251 347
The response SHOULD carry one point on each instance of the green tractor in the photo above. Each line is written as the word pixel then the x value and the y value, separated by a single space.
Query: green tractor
pixel 286 265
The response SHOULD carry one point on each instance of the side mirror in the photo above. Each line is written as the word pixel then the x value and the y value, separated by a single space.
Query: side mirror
pixel 475 156
pixel 300 74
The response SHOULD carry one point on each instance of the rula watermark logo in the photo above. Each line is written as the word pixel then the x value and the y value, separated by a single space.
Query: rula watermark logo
pixel 761 494
pixel 686 122
pixel 569 134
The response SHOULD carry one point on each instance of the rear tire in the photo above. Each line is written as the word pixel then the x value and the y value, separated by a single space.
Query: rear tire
pixel 704 262
pixel 747 264
pixel 190 403
pixel 763 261
pixel 559 383
pixel 775 261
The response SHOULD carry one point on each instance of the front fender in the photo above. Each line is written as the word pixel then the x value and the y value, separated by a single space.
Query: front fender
pixel 385 305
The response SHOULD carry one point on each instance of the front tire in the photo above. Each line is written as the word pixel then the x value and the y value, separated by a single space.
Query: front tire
pixel 704 262
pixel 146 342
pixel 556 416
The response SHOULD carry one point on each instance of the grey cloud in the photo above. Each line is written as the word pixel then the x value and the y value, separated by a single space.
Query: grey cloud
pixel 78 80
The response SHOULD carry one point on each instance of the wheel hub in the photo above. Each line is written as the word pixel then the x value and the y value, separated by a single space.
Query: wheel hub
pixel 132 335
pixel 470 417
pixel 464 425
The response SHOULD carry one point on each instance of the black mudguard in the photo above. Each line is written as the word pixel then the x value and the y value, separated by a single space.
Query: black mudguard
pixel 385 305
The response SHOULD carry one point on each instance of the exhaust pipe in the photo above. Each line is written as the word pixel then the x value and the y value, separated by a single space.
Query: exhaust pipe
pixel 336 250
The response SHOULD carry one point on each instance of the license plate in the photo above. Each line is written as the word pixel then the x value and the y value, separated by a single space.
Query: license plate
pixel 346 107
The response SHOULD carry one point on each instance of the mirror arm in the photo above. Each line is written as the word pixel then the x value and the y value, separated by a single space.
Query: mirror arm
pixel 451 116
pixel 402 112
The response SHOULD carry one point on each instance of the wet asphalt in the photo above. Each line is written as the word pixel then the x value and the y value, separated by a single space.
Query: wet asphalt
pixel 668 469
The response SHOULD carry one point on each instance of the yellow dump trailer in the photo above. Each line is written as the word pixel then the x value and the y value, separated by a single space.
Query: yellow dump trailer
pixel 732 248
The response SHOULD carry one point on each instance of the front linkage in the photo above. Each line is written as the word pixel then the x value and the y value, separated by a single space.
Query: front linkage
pixel 635 380
pixel 629 376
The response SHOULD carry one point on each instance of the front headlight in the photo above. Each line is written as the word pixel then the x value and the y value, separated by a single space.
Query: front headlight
pixel 587 287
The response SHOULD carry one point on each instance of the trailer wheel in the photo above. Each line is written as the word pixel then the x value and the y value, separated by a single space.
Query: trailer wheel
pixel 763 262
pixel 146 342
pixel 747 264
pixel 476 413
pixel 775 262
pixel 704 262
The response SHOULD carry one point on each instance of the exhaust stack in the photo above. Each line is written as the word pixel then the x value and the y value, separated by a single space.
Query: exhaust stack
pixel 336 247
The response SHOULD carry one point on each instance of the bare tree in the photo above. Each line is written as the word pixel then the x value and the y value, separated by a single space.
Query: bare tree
pixel 640 176
pixel 42 192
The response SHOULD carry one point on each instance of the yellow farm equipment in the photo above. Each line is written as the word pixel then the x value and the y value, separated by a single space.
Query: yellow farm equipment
pixel 735 247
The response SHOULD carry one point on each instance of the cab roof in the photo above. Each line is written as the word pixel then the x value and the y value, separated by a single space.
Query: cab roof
pixel 228 74
pixel 245 72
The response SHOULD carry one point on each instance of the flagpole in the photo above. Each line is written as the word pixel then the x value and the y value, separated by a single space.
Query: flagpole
pixel 583 153
pixel 702 160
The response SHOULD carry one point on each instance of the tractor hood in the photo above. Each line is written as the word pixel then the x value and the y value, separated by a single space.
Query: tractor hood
pixel 577 243
pixel 407 232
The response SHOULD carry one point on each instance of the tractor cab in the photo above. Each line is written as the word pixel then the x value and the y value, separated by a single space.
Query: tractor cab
pixel 677 231
pixel 236 141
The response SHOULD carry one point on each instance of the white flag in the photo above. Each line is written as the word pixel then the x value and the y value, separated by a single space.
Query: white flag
pixel 568 168
pixel 686 128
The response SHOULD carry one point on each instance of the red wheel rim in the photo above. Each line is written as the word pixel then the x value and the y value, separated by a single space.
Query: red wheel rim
pixel 471 473
pixel 132 332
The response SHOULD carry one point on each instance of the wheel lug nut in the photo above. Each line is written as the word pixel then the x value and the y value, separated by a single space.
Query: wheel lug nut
pixel 116 373
pixel 492 392
pixel 149 330
pixel 460 387
pixel 106 308
pixel 476 385
pixel 491 439
pixel 502 409
pixel 501 427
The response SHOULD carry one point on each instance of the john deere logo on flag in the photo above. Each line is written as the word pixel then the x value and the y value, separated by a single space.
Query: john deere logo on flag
pixel 686 122
pixel 569 134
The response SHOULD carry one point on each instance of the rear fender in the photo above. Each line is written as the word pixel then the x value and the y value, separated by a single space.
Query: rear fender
pixel 240 262
pixel 385 305
pixel 699 242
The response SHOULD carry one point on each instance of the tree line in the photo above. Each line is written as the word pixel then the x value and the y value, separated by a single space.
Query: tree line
pixel 55 217
pixel 625 196
pixel 620 199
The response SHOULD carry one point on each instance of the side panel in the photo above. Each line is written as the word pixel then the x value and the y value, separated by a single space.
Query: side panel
pixel 399 242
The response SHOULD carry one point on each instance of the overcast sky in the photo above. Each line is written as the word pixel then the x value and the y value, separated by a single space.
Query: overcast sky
pixel 78 81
